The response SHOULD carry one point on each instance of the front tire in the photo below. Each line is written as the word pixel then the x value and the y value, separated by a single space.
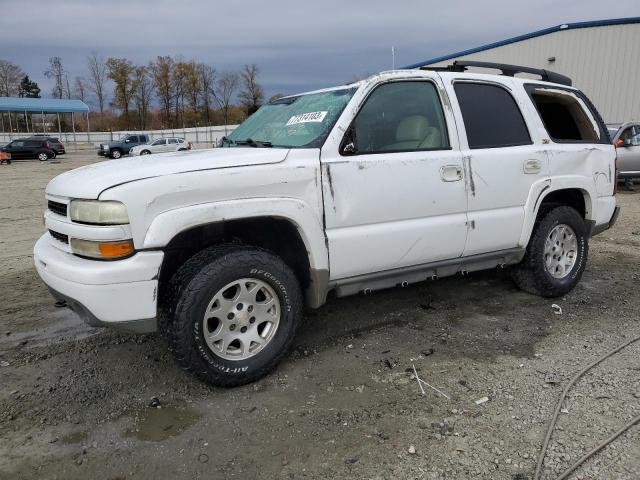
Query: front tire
pixel 556 255
pixel 115 154
pixel 43 156
pixel 145 152
pixel 231 313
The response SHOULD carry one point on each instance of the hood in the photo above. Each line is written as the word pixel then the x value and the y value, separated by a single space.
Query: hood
pixel 91 180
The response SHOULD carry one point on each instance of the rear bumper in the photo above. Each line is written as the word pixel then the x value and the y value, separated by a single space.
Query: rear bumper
pixel 596 229
pixel 121 294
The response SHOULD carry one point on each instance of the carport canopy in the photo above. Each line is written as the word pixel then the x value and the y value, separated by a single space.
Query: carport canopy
pixel 42 105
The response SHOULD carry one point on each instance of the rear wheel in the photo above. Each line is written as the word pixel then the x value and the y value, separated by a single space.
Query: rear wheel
pixel 556 255
pixel 231 313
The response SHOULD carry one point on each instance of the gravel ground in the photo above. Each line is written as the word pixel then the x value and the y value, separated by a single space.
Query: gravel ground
pixel 85 403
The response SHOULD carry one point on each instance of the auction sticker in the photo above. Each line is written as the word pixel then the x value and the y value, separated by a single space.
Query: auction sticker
pixel 307 117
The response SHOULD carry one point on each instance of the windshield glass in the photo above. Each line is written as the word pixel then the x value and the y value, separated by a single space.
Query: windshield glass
pixel 293 122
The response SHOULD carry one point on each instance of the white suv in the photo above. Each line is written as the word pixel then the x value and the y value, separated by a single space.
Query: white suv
pixel 406 176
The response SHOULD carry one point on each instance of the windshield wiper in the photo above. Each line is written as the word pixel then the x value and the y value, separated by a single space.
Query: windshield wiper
pixel 253 143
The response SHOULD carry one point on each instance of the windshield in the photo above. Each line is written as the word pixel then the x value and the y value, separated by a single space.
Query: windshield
pixel 293 122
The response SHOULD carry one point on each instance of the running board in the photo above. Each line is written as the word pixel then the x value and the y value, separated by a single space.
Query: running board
pixel 419 273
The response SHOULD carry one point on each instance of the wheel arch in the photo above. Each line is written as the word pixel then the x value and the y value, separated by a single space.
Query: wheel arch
pixel 298 241
pixel 547 197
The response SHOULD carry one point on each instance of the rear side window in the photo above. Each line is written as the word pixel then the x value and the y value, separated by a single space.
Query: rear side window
pixel 491 116
pixel 173 140
pixel 565 116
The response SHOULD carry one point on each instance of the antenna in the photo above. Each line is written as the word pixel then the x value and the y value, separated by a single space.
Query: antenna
pixel 393 58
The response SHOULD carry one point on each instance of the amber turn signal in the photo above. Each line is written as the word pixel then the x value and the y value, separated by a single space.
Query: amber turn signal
pixel 103 250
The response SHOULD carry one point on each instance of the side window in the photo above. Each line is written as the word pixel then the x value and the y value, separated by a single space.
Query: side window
pixel 491 116
pixel 173 140
pixel 401 117
pixel 631 135
pixel 132 138
pixel 158 142
pixel 565 116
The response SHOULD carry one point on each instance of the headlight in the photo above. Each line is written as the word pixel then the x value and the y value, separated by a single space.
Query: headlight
pixel 96 212
pixel 103 250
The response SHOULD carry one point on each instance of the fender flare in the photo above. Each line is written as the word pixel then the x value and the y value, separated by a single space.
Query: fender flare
pixel 540 190
pixel 309 226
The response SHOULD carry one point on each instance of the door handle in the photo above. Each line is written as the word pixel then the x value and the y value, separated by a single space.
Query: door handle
pixel 451 173
pixel 532 165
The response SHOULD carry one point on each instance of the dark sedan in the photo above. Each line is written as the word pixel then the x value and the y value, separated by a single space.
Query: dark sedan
pixel 30 148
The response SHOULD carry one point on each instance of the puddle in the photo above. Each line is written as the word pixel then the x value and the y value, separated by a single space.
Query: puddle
pixel 59 325
pixel 74 437
pixel 157 424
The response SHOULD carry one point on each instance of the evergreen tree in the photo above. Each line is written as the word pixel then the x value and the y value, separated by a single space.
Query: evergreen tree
pixel 28 88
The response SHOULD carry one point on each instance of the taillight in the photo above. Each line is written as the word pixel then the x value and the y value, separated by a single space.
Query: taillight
pixel 615 174
pixel 190 146
pixel 62 146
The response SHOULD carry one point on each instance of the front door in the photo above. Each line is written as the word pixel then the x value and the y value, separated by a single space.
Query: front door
pixel 394 190
pixel 629 152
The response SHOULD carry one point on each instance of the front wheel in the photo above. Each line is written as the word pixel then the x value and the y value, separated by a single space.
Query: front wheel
pixel 231 314
pixel 556 255
pixel 43 156
pixel 116 154
pixel 145 152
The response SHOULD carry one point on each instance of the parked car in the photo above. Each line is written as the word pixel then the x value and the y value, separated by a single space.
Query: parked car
pixel 406 176
pixel 627 141
pixel 121 147
pixel 30 148
pixel 161 145
pixel 56 145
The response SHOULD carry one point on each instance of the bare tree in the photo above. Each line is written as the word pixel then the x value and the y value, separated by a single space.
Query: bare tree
pixel 207 78
pixel 68 90
pixel 10 76
pixel 80 88
pixel 142 89
pixel 57 73
pixel 161 72
pixel 179 80
pixel 97 80
pixel 251 96
pixel 192 87
pixel 120 71
pixel 226 88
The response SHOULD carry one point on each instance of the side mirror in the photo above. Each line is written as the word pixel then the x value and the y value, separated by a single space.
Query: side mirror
pixel 623 143
pixel 127 141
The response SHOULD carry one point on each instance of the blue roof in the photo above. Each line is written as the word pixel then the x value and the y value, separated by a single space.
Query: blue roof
pixel 46 105
pixel 526 36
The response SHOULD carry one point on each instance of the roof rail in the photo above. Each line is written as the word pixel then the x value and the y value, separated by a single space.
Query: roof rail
pixel 508 70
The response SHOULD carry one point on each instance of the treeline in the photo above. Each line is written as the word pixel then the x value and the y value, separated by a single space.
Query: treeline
pixel 168 92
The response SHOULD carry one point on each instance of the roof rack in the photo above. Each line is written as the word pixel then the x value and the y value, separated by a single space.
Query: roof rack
pixel 508 70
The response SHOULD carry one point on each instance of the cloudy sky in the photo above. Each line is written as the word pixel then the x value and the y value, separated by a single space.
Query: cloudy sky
pixel 298 45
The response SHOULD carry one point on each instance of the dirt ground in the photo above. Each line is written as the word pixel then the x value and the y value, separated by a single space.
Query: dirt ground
pixel 77 402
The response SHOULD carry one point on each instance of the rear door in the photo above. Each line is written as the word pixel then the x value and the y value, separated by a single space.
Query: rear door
pixel 503 160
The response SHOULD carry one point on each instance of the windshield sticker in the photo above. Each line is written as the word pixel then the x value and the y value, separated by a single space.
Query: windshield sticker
pixel 307 117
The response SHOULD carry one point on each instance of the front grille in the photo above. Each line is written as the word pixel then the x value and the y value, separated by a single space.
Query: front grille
pixel 61 237
pixel 57 207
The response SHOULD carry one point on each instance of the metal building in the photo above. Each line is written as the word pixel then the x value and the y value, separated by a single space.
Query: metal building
pixel 601 57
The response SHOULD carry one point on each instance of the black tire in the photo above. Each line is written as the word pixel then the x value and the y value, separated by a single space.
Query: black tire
pixel 531 274
pixel 145 152
pixel 115 154
pixel 192 288
pixel 43 156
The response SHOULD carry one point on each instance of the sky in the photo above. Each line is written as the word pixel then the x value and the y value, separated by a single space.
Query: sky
pixel 298 45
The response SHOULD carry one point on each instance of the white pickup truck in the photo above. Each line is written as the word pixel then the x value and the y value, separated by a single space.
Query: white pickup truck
pixel 406 176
